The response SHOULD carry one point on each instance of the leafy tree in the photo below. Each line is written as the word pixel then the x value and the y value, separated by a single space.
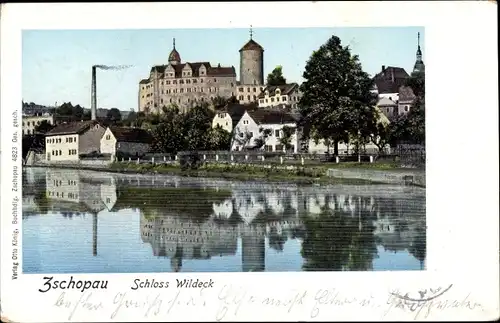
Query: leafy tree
pixel 218 102
pixel 286 137
pixel 220 139
pixel 381 135
pixel 241 138
pixel 168 136
pixel 260 141
pixel 276 77
pixel 44 127
pixel 336 99
pixel 197 125
pixel 114 115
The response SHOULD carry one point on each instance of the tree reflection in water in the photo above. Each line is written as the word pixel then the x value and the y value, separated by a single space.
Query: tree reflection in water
pixel 335 240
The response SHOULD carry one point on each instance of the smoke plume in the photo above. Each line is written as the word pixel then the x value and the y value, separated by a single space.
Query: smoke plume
pixel 114 67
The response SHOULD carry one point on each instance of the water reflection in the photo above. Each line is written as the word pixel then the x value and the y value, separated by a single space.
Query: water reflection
pixel 196 225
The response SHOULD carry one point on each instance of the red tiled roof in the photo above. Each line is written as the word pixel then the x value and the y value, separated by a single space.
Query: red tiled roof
pixel 406 94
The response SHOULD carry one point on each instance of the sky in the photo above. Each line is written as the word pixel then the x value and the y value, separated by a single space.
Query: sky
pixel 57 63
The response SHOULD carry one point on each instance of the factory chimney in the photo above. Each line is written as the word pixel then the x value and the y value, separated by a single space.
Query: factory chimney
pixel 93 96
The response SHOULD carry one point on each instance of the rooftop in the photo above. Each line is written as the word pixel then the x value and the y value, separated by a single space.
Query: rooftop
pixel 137 135
pixel 71 128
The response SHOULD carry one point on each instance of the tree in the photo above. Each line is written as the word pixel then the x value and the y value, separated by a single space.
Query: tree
pixel 276 77
pixel 168 136
pixel 44 127
pixel 197 125
pixel 220 139
pixel 286 138
pixel 260 141
pixel 336 101
pixel 241 138
pixel 113 115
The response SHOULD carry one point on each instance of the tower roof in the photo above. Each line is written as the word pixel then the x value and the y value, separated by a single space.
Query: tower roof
pixel 174 55
pixel 252 45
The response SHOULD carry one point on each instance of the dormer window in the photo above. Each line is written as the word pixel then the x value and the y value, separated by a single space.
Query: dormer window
pixel 267 93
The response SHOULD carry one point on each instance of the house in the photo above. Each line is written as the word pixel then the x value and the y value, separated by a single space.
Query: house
pixel 30 122
pixel 286 94
pixel 69 141
pixel 388 107
pixel 228 117
pixel 125 141
pixel 388 82
pixel 406 99
pixel 321 147
pixel 248 129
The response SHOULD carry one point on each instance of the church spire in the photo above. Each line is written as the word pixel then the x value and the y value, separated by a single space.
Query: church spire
pixel 251 32
pixel 174 41
pixel 419 66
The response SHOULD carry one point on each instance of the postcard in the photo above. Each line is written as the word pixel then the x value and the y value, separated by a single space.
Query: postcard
pixel 281 161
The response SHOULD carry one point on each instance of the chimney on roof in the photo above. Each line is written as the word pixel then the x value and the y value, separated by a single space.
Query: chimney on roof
pixel 218 65
pixel 383 68
pixel 392 75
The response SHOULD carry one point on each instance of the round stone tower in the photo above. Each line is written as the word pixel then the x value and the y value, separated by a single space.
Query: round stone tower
pixel 252 63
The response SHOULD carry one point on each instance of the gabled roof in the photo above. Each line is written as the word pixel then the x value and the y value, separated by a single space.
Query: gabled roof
pixel 266 116
pixel 252 45
pixel 385 102
pixel 406 94
pixel 71 128
pixel 285 89
pixel 237 110
pixel 390 79
pixel 137 135
pixel 144 81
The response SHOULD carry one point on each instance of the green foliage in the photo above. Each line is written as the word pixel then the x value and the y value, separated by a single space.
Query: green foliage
pixel 114 115
pixel 260 141
pixel 242 138
pixel 410 128
pixel 68 110
pixel 44 127
pixel 276 77
pixel 286 137
pixel 337 102
pixel 220 139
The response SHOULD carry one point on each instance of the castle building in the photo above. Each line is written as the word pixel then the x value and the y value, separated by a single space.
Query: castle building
pixel 190 83
pixel 184 84
pixel 251 82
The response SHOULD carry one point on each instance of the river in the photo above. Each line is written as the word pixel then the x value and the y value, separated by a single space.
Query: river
pixel 96 222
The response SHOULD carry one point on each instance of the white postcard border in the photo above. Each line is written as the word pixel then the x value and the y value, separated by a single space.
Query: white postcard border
pixel 462 176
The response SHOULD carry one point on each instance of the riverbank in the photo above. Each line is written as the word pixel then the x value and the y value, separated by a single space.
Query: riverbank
pixel 299 175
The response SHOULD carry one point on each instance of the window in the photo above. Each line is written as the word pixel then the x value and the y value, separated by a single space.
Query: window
pixel 182 90
pixel 245 121
pixel 232 84
pixel 278 99
pixel 161 82
pixel 174 82
pixel 277 133
pixel 272 99
pixel 168 82
pixel 240 89
pixel 240 97
pixel 181 81
pixel 268 148
pixel 406 108
pixel 161 100
pixel 251 134
pixel 255 98
pixel 248 89
pixel 283 98
pixel 255 89
pixel 60 152
pixel 201 81
pixel 215 80
pixel 195 81
pixel 248 97
pixel 188 81
pixel 261 101
pixel 189 89
pixel 267 100
pixel 279 147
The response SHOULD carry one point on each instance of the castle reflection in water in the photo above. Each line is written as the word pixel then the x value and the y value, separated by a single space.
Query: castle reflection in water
pixel 355 224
